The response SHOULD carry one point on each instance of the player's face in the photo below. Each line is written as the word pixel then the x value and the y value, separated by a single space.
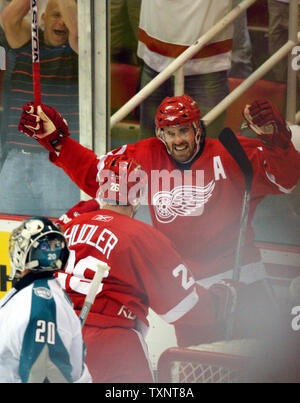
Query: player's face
pixel 56 33
pixel 180 141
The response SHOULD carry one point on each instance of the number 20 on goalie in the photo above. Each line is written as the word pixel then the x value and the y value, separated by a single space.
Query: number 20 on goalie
pixel 45 332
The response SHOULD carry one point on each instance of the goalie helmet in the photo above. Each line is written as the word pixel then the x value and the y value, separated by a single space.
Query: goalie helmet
pixel 121 182
pixel 38 245
pixel 180 110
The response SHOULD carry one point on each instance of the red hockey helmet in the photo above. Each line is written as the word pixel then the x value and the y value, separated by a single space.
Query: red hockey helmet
pixel 121 181
pixel 175 111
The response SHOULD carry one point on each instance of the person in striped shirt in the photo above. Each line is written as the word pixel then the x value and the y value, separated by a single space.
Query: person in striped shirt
pixel 24 189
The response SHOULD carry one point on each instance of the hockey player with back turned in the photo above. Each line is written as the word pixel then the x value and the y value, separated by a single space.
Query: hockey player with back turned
pixel 145 271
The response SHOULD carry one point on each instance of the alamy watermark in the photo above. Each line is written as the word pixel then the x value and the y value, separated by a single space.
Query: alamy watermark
pixel 295 323
pixel 2 58
pixel 186 189
pixel 296 59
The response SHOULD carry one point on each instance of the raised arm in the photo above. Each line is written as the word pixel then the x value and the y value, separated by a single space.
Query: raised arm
pixel 68 9
pixel 17 29
pixel 279 158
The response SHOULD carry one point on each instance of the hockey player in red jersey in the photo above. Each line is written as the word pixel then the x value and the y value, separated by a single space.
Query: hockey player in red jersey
pixel 195 186
pixel 145 271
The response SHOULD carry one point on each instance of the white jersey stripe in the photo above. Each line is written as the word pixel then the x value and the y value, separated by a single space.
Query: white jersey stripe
pixel 182 308
pixel 281 188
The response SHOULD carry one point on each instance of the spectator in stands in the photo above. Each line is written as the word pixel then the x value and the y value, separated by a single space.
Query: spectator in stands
pixel 241 65
pixel 167 29
pixel 68 9
pixel 124 24
pixel 24 190
pixel 124 21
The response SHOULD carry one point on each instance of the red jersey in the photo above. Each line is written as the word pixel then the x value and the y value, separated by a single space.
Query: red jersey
pixel 200 206
pixel 145 271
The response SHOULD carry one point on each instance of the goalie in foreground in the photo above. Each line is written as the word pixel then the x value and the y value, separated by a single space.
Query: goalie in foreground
pixel 41 339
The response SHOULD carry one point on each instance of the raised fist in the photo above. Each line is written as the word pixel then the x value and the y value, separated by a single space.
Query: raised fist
pixel 45 124
pixel 266 121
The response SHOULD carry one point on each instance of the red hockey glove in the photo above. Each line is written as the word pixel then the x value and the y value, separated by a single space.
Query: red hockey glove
pixel 227 294
pixel 266 121
pixel 45 124
pixel 78 209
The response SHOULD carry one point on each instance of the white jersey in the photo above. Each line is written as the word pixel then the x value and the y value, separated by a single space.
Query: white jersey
pixel 40 335
pixel 169 27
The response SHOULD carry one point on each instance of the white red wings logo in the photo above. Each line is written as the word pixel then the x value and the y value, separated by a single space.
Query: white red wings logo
pixel 181 201
pixel 105 218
